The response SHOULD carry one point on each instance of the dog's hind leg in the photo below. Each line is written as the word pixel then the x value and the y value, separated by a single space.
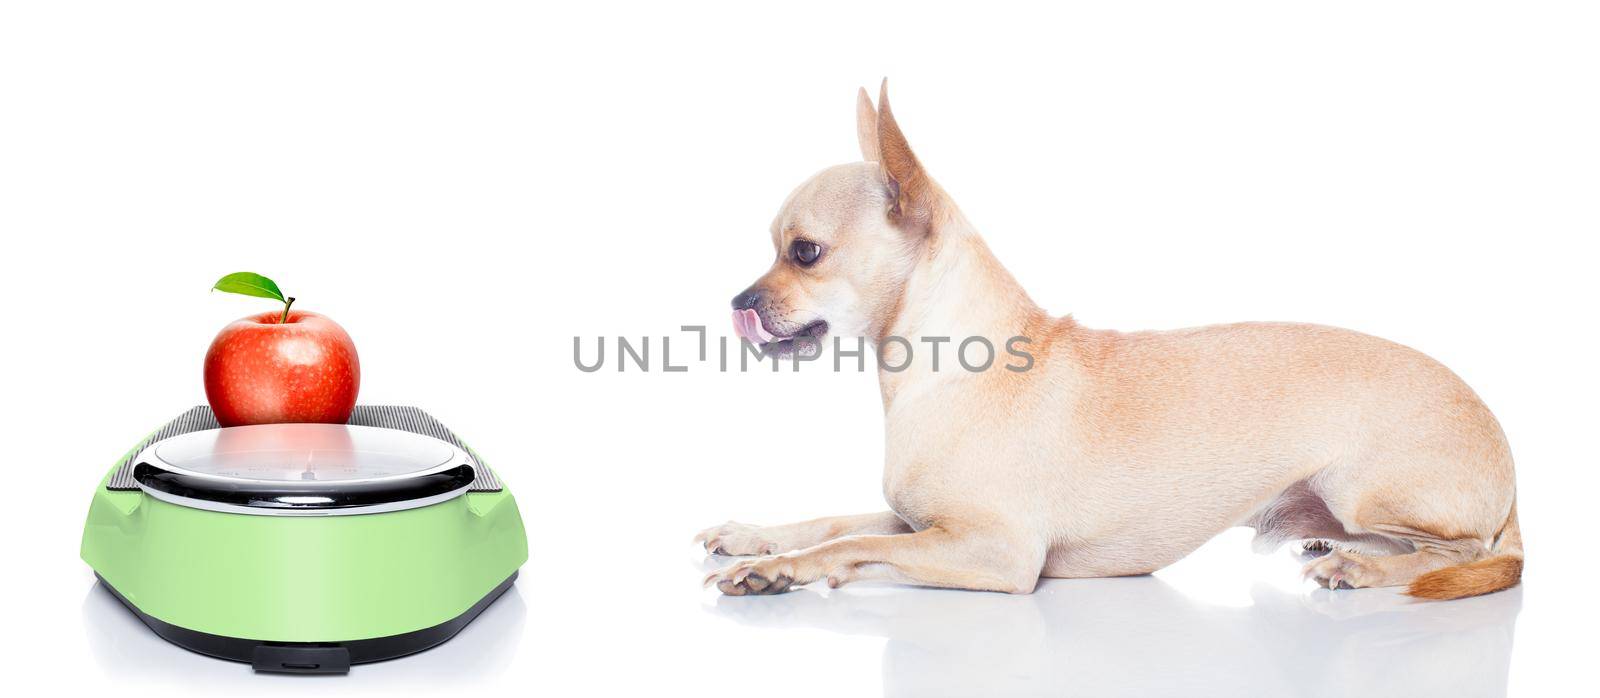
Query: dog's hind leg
pixel 984 559
pixel 735 538
pixel 1342 569
pixel 1435 475
pixel 1453 549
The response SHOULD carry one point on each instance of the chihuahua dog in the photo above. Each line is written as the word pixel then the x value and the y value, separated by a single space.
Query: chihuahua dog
pixel 1114 453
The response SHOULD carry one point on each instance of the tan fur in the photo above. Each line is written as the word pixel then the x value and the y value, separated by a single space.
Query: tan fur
pixel 1117 453
pixel 1502 571
pixel 1472 579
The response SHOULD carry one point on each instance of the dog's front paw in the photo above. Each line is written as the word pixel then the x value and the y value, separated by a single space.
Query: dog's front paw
pixel 1341 570
pixel 767 575
pixel 734 538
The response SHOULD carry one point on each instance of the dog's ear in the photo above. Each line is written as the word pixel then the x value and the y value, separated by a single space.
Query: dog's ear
pixel 909 187
pixel 866 126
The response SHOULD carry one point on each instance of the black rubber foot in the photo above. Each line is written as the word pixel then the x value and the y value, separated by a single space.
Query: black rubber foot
pixel 311 657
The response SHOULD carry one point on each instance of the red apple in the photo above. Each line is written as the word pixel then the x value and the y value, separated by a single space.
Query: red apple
pixel 263 371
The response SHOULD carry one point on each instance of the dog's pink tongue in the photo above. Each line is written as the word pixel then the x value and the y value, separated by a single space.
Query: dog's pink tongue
pixel 747 323
pixel 740 326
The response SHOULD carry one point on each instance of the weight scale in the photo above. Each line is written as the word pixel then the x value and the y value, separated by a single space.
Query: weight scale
pixel 305 548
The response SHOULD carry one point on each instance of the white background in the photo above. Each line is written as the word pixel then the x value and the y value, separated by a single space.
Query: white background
pixel 468 186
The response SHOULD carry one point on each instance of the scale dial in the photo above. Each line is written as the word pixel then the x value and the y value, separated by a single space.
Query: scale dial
pixel 303 469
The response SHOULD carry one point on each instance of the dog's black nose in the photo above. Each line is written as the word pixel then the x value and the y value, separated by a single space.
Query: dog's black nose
pixel 747 299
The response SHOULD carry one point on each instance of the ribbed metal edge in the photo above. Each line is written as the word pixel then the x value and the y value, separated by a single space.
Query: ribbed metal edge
pixel 196 419
pixel 385 416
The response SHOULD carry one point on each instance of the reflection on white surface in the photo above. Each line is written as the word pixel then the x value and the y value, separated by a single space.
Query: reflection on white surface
pixel 1139 636
pixel 124 648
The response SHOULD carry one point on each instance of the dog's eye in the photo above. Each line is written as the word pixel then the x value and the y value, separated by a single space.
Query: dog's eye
pixel 806 252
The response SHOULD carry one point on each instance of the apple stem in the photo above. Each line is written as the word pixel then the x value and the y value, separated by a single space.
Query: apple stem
pixel 286 305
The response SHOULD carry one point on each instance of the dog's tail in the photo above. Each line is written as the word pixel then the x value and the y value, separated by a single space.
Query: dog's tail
pixel 1502 570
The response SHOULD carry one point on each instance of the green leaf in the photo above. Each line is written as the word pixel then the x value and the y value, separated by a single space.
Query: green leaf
pixel 250 284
